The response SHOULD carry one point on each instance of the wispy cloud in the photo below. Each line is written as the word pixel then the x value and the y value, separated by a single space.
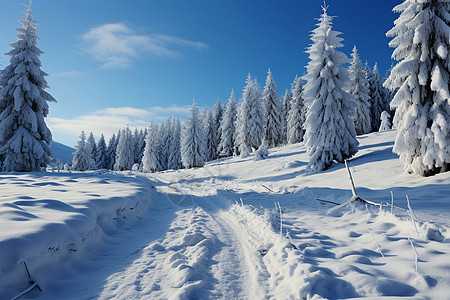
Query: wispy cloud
pixel 117 45
pixel 109 120
pixel 72 73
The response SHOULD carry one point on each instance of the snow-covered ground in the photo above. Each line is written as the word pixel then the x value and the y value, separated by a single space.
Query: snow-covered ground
pixel 216 232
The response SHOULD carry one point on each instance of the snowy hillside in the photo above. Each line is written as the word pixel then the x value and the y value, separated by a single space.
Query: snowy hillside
pixel 62 152
pixel 216 232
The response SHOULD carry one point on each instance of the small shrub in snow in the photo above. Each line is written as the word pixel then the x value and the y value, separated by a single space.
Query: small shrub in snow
pixel 385 121
pixel 261 153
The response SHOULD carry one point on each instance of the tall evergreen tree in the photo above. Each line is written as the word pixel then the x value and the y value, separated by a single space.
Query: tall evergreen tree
pixel 376 96
pixel 111 153
pixel 193 142
pixel 286 106
pixel 150 159
pixel 421 38
pixel 217 115
pixel 124 157
pixel 272 113
pixel 101 158
pixel 209 128
pixel 358 87
pixel 82 159
pixel 297 113
pixel 163 144
pixel 175 146
pixel 227 127
pixel 24 136
pixel 92 146
pixel 250 130
pixel 330 133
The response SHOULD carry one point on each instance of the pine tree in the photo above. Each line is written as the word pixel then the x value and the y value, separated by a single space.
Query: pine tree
pixel 150 159
pixel 217 115
pixel 101 158
pixel 296 115
pixel 92 146
pixel 124 157
pixel 330 133
pixel 111 153
pixel 174 146
pixel 376 95
pixel 163 142
pixel 24 136
pixel 358 87
pixel 193 142
pixel 286 105
pixel 249 122
pixel 210 135
pixel 227 127
pixel 82 159
pixel 272 113
pixel 421 38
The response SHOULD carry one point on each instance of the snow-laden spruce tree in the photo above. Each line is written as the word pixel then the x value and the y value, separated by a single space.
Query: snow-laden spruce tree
pixel 285 105
pixel 174 146
pixel 358 87
pixel 376 96
pixel 330 133
pixel 124 151
pixel 193 141
pixel 249 121
pixel 101 157
pixel 24 136
pixel 150 159
pixel 209 128
pixel 385 121
pixel 421 38
pixel 217 114
pixel 227 128
pixel 272 113
pixel 111 152
pixel 82 159
pixel 297 113
pixel 92 146
pixel 163 144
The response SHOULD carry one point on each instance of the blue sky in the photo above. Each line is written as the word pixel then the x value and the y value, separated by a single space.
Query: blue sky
pixel 113 63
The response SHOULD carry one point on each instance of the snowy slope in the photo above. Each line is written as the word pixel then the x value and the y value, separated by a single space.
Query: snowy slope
pixel 216 232
pixel 62 152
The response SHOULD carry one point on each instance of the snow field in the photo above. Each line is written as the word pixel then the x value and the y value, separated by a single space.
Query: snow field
pixel 54 220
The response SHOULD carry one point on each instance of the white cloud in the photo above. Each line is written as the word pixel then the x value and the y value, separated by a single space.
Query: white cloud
pixel 116 45
pixel 68 74
pixel 110 120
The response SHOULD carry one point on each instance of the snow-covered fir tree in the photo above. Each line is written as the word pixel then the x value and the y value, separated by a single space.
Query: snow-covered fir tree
pixel 421 38
pixel 227 127
pixel 376 96
pixel 193 142
pixel 101 158
pixel 286 106
pixel 297 113
pixel 150 159
pixel 175 146
pixel 24 136
pixel 358 87
pixel 249 121
pixel 272 113
pixel 124 152
pixel 111 152
pixel 330 133
pixel 163 144
pixel 92 146
pixel 217 115
pixel 385 121
pixel 209 128
pixel 82 159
